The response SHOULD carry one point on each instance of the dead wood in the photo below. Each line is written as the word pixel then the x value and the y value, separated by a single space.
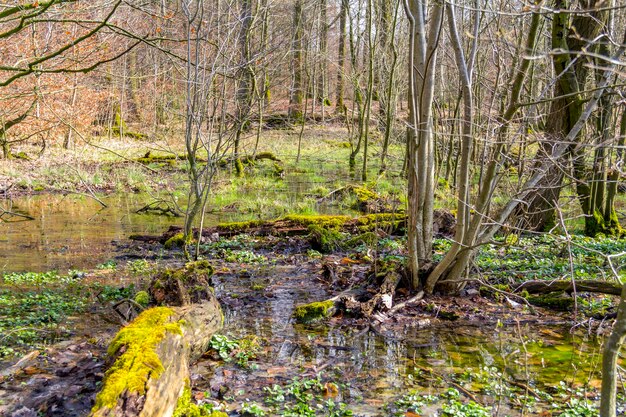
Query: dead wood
pixel 160 207
pixel 544 287
pixel 388 223
pixel 150 357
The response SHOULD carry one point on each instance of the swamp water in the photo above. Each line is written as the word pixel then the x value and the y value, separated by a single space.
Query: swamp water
pixel 509 367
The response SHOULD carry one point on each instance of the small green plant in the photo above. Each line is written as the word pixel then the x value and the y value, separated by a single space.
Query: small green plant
pixel 242 350
pixel 333 409
pixel 113 293
pixel 139 267
pixel 110 264
pixel 252 409
pixel 457 409
pixel 243 257
pixel 35 278
pixel 223 346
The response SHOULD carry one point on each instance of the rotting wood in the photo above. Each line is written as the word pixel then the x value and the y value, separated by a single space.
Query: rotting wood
pixel 294 225
pixel 150 357
pixel 544 287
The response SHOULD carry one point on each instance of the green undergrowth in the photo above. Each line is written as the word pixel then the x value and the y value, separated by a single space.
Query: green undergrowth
pixel 242 351
pixel 545 257
pixel 39 308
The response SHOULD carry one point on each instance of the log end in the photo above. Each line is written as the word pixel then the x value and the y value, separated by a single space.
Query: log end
pixel 184 286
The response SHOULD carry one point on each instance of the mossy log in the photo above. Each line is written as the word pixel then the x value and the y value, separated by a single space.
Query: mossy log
pixel 149 369
pixel 355 301
pixel 318 310
pixel 296 225
pixel 544 287
pixel 249 159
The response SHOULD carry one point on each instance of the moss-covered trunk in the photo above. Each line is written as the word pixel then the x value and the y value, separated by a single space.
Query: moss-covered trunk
pixel 150 357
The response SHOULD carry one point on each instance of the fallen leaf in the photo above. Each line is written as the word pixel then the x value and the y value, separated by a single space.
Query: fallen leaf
pixel 330 390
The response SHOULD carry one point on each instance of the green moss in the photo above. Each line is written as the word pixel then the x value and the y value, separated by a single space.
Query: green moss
pixel 324 240
pixel 21 155
pixel 149 158
pixel 597 225
pixel 239 227
pixel 364 195
pixel 185 407
pixel 137 361
pixel 176 241
pixel 392 222
pixel 320 221
pixel 314 311
pixel 142 298
pixel 190 269
pixel 554 301
pixel 239 168
pixel 368 238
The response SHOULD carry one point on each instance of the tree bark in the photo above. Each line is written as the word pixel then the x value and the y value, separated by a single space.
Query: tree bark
pixel 613 344
pixel 161 390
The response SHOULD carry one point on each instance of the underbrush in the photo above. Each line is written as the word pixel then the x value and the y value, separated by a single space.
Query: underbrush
pixel 41 308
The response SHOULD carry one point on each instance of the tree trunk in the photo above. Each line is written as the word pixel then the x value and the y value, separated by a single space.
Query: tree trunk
pixel 297 92
pixel 612 348
pixel 420 169
pixel 341 56
pixel 571 67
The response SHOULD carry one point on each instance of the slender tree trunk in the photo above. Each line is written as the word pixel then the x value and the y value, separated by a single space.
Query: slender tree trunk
pixel 424 41
pixel 297 92
pixel 612 346
pixel 341 56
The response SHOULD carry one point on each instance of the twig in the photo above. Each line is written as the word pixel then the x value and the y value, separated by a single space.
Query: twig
pixel 12 213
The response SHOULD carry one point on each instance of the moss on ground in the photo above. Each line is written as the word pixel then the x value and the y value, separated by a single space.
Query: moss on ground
pixel 555 301
pixel 176 241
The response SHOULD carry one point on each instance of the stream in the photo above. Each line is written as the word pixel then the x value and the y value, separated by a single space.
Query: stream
pixel 370 368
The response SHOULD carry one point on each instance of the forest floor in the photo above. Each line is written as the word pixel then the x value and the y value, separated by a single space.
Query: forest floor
pixel 267 364
pixel 492 350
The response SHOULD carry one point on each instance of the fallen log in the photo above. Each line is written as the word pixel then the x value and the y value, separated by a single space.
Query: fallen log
pixel 357 301
pixel 148 373
pixel 296 225
pixel 544 287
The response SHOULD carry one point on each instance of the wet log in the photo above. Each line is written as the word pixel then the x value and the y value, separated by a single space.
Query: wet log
pixel 544 287
pixel 356 301
pixel 307 313
pixel 296 225
pixel 150 357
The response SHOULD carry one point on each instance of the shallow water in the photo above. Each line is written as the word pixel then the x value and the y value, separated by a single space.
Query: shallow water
pixel 371 370
pixel 72 232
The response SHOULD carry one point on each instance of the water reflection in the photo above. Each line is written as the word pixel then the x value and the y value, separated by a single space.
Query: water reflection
pixel 379 369
pixel 72 231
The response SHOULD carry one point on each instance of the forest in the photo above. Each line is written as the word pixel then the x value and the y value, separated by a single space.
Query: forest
pixel 312 208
